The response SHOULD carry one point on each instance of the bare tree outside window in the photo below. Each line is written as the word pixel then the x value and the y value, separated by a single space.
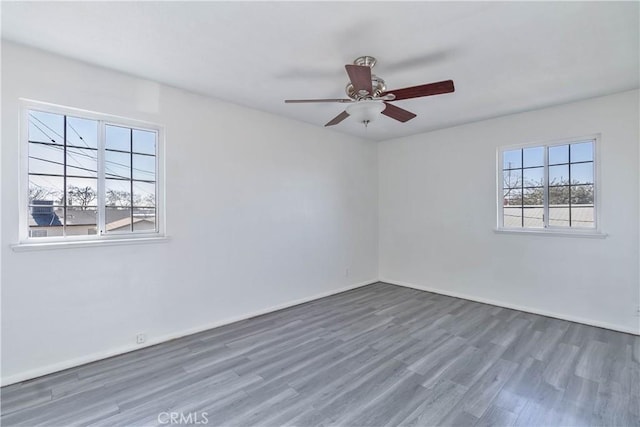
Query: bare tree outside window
pixel 77 196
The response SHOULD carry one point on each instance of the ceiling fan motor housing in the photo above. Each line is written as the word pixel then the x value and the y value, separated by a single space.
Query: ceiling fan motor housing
pixel 377 84
pixel 366 61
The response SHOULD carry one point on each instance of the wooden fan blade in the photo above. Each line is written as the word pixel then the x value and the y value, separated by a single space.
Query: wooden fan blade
pixel 360 77
pixel 397 113
pixel 300 101
pixel 337 119
pixel 422 90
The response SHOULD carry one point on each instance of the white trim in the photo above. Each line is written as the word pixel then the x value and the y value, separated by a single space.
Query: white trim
pixel 526 309
pixel 70 244
pixel 86 114
pixel 499 188
pixel 551 142
pixel 60 366
pixel 545 190
pixel 100 162
pixel 23 175
pixel 551 232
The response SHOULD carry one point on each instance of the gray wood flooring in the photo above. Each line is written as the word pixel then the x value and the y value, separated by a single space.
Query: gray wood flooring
pixel 380 355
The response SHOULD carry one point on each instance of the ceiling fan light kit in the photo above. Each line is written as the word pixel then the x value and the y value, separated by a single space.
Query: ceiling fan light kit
pixel 369 97
pixel 365 111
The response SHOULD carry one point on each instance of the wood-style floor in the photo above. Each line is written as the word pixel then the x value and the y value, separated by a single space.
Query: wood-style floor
pixel 380 355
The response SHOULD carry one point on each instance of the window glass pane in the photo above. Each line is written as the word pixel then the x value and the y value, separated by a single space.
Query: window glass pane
pixel 558 217
pixel 533 217
pixel 82 162
pixel 582 173
pixel 144 219
pixel 582 152
pixel 558 196
pixel 582 217
pixel 533 156
pixel 118 138
pixel 144 194
pixel 82 132
pixel 117 219
pixel 117 192
pixel 81 221
pixel 512 179
pixel 35 231
pixel 82 192
pixel 44 213
pixel 47 188
pixel 512 217
pixel 45 219
pixel 46 159
pixel 117 165
pixel 558 154
pixel 533 196
pixel 559 175
pixel 46 127
pixel 533 177
pixel 582 194
pixel 144 142
pixel 512 159
pixel 144 167
pixel 512 197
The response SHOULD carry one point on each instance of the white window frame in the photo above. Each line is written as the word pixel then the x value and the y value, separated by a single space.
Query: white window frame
pixel 552 230
pixel 102 237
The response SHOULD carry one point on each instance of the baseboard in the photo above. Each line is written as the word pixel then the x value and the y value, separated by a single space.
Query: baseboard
pixel 504 304
pixel 56 367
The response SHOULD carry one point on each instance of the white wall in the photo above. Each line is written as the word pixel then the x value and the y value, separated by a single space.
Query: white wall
pixel 262 211
pixel 437 213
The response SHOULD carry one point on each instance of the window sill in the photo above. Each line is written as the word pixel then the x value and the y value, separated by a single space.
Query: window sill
pixel 559 233
pixel 43 246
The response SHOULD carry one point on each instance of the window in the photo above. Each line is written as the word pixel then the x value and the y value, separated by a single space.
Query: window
pixel 89 176
pixel 548 187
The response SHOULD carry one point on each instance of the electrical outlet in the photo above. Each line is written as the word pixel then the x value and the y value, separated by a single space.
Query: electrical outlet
pixel 638 311
pixel 346 272
pixel 141 338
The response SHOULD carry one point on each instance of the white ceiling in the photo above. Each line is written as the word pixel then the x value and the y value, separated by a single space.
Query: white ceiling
pixel 503 57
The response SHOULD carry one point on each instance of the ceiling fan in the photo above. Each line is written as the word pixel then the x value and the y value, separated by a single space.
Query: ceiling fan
pixel 368 95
